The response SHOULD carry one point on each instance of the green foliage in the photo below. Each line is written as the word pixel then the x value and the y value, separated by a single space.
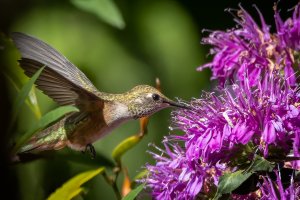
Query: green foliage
pixel 124 146
pixel 133 193
pixel 47 119
pixel 72 188
pixel 22 96
pixel 260 164
pixel 231 181
pixel 104 9
pixel 31 100
pixel 141 174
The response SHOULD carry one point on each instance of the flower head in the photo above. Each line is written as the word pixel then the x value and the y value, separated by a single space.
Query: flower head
pixel 173 176
pixel 227 130
pixel 223 130
pixel 250 49
pixel 288 31
pixel 221 126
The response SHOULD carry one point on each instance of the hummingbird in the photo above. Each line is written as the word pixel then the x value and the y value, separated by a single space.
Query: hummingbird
pixel 99 112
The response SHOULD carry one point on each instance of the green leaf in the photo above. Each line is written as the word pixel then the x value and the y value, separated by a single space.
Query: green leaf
pixel 141 174
pixel 31 100
pixel 33 104
pixel 104 9
pixel 47 119
pixel 23 94
pixel 261 164
pixel 133 193
pixel 124 146
pixel 230 181
pixel 72 188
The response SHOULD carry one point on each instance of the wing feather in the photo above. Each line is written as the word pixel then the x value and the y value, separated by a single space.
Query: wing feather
pixel 60 79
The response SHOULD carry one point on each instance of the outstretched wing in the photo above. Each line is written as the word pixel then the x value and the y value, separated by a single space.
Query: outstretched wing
pixel 60 79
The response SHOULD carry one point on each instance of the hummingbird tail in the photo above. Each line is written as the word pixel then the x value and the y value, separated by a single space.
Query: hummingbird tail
pixel 51 138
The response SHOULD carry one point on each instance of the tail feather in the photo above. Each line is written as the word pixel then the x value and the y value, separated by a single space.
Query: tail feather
pixel 52 138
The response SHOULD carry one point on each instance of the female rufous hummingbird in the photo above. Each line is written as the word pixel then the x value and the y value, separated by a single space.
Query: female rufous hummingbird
pixel 99 112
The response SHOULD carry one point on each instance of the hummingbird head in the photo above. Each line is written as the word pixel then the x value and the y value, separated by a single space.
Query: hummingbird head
pixel 144 100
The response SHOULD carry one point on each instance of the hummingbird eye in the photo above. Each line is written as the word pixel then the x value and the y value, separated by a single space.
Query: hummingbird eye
pixel 155 97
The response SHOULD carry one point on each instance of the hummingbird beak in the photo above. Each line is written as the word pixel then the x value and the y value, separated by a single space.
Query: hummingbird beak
pixel 176 104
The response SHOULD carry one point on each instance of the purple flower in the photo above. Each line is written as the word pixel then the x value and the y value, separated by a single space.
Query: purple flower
pixel 173 176
pixel 250 49
pixel 220 126
pixel 223 130
pixel 275 190
pixel 288 32
pixel 259 114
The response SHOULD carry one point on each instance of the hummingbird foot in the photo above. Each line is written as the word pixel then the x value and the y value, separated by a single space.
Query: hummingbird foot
pixel 91 149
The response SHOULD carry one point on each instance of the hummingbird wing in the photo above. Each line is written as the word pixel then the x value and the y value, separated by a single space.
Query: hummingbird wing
pixel 60 79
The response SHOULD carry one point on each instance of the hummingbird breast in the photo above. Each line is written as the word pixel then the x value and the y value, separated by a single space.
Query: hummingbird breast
pixel 98 124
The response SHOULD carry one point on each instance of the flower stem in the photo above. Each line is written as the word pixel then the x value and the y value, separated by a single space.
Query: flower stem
pixel 113 182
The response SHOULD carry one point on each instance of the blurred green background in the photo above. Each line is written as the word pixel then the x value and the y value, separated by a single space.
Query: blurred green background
pixel 145 39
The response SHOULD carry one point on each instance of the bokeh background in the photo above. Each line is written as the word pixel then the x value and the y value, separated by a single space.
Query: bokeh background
pixel 159 38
